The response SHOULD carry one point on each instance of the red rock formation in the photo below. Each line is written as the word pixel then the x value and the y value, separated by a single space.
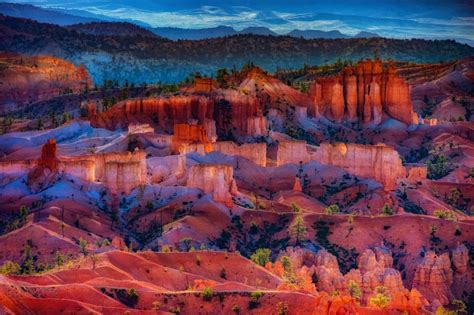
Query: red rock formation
pixel 191 133
pixel 416 172
pixel 48 157
pixel 369 91
pixel 231 111
pixel 25 79
pixel 214 179
pixel 374 270
pixel 434 277
pixel 379 162
pixel 292 151
pixel 47 167
pixel 119 172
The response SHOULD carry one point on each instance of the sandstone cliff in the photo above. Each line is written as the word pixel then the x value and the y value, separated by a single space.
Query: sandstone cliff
pixel 379 162
pixel 229 111
pixel 367 93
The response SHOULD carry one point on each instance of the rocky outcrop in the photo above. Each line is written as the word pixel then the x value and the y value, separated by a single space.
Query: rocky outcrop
pixel 46 169
pixel 460 259
pixel 330 278
pixel 434 277
pixel 416 172
pixel 374 271
pixel 27 79
pixel 375 267
pixel 379 162
pixel 120 172
pixel 367 93
pixel 230 111
pixel 48 157
pixel 269 91
pixel 214 179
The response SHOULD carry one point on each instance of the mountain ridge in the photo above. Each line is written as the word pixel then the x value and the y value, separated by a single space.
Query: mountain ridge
pixel 144 59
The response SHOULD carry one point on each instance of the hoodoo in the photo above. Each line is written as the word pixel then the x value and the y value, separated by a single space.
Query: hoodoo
pixel 369 92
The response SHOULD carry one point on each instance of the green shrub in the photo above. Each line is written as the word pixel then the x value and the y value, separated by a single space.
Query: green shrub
pixel 445 214
pixel 10 268
pixel 438 167
pixel 261 256
pixel 354 290
pixel 333 209
pixel 207 294
pixel 386 210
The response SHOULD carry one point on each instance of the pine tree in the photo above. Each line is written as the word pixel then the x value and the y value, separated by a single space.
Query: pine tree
pixel 298 229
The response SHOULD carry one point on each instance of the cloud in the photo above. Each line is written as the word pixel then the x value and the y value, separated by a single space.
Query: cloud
pixel 284 18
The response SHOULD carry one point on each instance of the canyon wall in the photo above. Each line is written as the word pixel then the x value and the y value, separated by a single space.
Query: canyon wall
pixel 27 79
pixel 379 162
pixel 214 179
pixel 119 172
pixel 223 113
pixel 17 167
pixel 292 151
pixel 367 92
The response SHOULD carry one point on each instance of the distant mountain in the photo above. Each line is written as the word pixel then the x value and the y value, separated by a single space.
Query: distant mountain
pixel 176 33
pixel 42 15
pixel 144 59
pixel 57 15
pixel 310 34
pixel 364 34
pixel 112 29
pixel 98 17
pixel 258 31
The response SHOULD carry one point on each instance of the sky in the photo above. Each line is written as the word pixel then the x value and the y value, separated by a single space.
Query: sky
pixel 401 19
